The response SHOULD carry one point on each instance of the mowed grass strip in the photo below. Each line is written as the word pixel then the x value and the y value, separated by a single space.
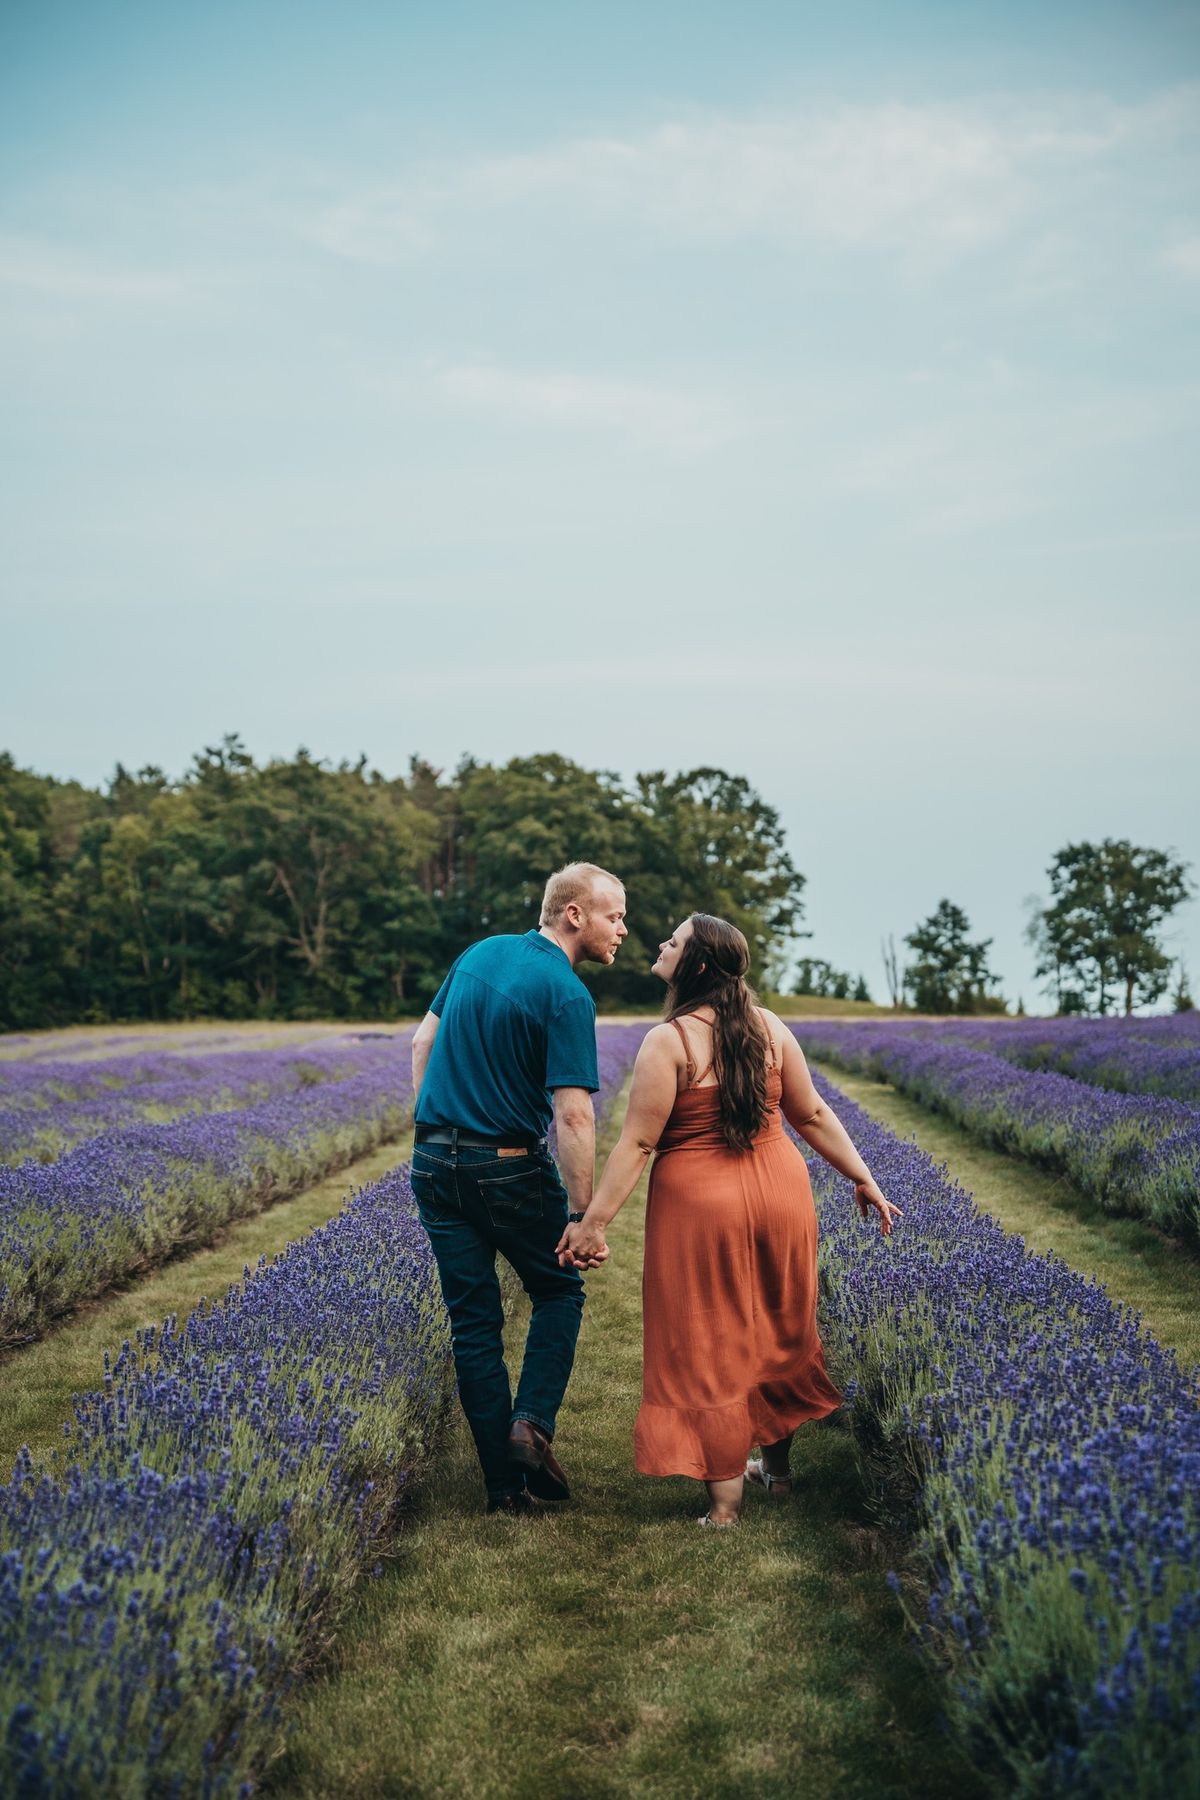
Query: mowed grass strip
pixel 1136 1264
pixel 40 1380
pixel 614 1648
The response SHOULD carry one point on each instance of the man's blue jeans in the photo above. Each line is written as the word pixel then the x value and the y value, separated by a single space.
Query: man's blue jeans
pixel 474 1203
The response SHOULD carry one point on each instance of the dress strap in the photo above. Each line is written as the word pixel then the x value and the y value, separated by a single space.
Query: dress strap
pixel 770 1039
pixel 687 1051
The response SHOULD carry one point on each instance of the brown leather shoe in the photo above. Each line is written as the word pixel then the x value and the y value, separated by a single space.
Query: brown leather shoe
pixel 529 1447
pixel 518 1505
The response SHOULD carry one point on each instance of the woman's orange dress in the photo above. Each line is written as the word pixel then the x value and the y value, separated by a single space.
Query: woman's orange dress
pixel 732 1357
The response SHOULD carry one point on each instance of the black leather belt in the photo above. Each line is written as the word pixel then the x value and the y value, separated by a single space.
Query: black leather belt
pixel 470 1140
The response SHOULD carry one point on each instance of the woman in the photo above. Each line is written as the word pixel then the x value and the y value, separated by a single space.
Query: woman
pixel 732 1354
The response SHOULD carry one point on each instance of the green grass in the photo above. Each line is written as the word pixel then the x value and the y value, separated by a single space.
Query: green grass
pixel 1135 1263
pixel 614 1649
pixel 40 1379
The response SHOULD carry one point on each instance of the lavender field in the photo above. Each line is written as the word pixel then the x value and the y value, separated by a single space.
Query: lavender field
pixel 1158 1055
pixel 1044 1450
pixel 1135 1153
pixel 165 1585
pixel 169 1580
pixel 48 1103
pixel 125 1193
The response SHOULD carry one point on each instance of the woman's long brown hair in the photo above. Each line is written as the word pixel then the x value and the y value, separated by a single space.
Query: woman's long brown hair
pixel 711 971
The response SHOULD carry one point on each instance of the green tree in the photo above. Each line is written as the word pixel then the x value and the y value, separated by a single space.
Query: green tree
pixel 705 841
pixel 949 974
pixel 1100 931
pixel 296 888
pixel 819 978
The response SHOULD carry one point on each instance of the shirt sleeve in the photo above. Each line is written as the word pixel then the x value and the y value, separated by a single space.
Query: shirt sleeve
pixel 439 999
pixel 571 1046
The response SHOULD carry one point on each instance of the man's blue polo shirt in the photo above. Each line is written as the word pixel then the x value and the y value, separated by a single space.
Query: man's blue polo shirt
pixel 516 1021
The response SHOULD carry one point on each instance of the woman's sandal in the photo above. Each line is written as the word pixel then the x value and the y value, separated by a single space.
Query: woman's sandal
pixel 777 1487
pixel 717 1524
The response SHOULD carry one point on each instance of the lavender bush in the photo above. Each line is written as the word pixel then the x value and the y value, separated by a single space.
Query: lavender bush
pixel 126 1201
pixel 1051 1450
pixel 1133 1153
pixel 232 1481
pixel 1133 1056
pixel 48 1105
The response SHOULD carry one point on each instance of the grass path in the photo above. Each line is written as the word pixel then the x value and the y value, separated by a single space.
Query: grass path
pixel 614 1649
pixel 39 1380
pixel 1134 1262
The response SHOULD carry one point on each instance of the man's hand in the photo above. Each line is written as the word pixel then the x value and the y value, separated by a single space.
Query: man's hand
pixel 581 1246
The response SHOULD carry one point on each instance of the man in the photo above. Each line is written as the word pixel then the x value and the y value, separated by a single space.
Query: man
pixel 509 1041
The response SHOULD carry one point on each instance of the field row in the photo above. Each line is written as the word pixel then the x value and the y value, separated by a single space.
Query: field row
pixel 124 1201
pixel 1045 1450
pixel 1133 1153
pixel 162 1589
pixel 1159 1055
pixel 47 1105
pixel 226 1488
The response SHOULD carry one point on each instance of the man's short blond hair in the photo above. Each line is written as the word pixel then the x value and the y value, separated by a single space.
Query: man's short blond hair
pixel 573 882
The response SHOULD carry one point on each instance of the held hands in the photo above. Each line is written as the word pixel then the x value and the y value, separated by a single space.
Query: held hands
pixel 868 1195
pixel 581 1246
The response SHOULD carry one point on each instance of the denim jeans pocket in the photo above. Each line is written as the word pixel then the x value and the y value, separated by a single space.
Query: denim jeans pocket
pixel 430 1191
pixel 513 1197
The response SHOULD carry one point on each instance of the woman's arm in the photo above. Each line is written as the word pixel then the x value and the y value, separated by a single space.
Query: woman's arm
pixel 823 1131
pixel 651 1098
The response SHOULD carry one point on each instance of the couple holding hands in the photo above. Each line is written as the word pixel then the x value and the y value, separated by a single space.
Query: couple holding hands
pixel 732 1357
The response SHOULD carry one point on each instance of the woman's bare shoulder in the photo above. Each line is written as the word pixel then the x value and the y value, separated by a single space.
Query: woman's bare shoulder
pixel 774 1025
pixel 660 1038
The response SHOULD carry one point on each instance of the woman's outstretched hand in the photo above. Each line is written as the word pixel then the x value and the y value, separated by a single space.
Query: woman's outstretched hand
pixel 581 1246
pixel 868 1195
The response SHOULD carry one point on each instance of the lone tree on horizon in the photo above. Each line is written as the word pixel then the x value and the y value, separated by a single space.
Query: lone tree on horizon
pixel 1101 927
pixel 949 974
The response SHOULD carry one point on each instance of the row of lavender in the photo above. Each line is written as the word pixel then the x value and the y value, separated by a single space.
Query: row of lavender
pixel 48 1105
pixel 231 1482
pixel 129 1199
pixel 1133 1153
pixel 71 1042
pixel 1132 1056
pixel 1052 1448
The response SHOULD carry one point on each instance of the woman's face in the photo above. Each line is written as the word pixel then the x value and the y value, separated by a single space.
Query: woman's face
pixel 670 950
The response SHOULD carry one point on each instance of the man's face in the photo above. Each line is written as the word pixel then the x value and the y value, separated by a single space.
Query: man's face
pixel 602 926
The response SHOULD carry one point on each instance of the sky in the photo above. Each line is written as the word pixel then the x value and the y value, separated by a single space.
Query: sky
pixel 805 390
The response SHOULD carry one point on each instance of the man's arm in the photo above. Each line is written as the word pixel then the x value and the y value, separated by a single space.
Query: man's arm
pixel 422 1044
pixel 575 1123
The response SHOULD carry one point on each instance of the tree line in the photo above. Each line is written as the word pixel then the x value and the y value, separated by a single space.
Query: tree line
pixel 295 889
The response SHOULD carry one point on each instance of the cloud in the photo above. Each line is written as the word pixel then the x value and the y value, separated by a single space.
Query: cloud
pixel 997 451
pixel 922 180
pixel 1184 254
pixel 643 412
pixel 60 273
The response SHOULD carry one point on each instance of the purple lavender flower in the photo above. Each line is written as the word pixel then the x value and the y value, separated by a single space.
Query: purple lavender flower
pixel 126 1200
pixel 230 1479
pixel 1134 1153
pixel 1003 1389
